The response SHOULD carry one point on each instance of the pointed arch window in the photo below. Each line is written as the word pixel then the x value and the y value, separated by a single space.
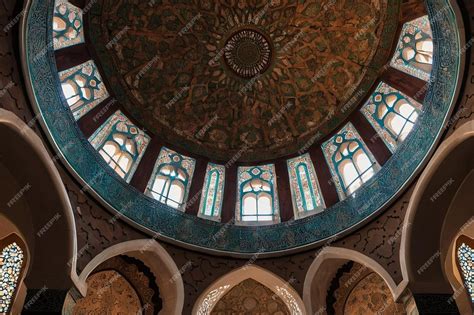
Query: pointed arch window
pixel 121 144
pixel 12 265
pixel 82 88
pixel 465 260
pixel 171 178
pixel 414 53
pixel 213 192
pixel 67 25
pixel 305 190
pixel 257 194
pixel 392 114
pixel 349 160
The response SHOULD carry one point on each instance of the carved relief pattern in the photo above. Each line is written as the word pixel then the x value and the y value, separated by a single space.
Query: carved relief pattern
pixel 213 296
pixel 322 52
pixel 251 297
pixel 396 171
pixel 98 230
pixel 361 291
pixel 289 300
pixel 108 292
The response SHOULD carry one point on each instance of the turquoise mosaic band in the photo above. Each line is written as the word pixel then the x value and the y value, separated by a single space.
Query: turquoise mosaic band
pixel 171 224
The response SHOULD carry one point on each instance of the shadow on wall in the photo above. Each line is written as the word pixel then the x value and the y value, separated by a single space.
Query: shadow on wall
pixel 33 199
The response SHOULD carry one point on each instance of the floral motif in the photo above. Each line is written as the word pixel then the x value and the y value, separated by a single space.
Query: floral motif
pixel 321 52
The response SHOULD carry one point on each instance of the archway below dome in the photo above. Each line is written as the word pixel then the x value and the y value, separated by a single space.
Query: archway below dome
pixel 233 292
pixel 356 289
pixel 250 296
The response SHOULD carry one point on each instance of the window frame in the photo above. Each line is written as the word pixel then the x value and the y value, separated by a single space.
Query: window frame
pixel 331 147
pixel 246 175
pixel 177 162
pixel 218 196
pixel 297 189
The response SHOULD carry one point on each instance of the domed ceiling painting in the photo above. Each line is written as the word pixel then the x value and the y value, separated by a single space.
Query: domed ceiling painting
pixel 267 76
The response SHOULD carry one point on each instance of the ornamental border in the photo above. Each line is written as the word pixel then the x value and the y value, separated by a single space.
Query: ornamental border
pixel 174 226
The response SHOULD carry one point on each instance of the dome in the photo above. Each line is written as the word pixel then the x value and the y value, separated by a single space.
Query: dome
pixel 214 76
pixel 242 127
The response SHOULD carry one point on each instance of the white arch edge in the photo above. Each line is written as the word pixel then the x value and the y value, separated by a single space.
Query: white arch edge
pixel 10 120
pixel 140 246
pixel 465 132
pixel 330 253
pixel 259 274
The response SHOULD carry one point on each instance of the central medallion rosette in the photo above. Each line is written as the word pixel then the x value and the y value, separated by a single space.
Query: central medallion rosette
pixel 248 53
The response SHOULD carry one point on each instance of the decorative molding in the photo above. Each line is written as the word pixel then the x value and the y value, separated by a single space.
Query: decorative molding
pixel 175 226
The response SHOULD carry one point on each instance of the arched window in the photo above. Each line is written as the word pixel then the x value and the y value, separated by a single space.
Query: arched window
pixel 414 54
pixel 171 178
pixel 392 114
pixel 67 25
pixel 350 161
pixel 213 192
pixel 121 144
pixel 257 200
pixel 465 261
pixel 304 186
pixel 12 265
pixel 82 88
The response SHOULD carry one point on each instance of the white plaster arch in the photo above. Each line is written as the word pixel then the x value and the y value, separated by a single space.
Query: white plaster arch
pixel 327 262
pixel 209 298
pixel 26 159
pixel 154 256
pixel 456 150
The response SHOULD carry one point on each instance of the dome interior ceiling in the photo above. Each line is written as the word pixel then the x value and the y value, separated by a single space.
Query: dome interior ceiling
pixel 213 77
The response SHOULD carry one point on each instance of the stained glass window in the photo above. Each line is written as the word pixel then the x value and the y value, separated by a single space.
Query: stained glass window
pixel 257 199
pixel 67 25
pixel 349 160
pixel 83 88
pixel 305 191
pixel 465 255
pixel 121 144
pixel 11 263
pixel 392 114
pixel 171 178
pixel 212 192
pixel 414 53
